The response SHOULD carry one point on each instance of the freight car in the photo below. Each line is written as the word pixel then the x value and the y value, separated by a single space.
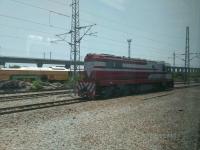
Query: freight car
pixel 29 74
pixel 106 75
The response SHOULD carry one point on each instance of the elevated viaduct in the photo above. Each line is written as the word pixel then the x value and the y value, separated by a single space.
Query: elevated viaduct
pixel 38 61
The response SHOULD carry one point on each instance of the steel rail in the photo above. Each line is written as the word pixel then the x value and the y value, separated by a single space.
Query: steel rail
pixel 22 108
pixel 15 97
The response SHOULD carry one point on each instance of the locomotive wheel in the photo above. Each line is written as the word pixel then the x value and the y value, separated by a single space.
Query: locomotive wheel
pixel 128 90
pixel 107 92
pixel 123 90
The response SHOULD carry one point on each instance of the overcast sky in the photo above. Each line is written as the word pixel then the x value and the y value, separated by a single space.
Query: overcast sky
pixel 157 28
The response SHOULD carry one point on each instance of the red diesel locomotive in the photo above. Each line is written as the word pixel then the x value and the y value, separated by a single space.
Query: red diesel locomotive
pixel 106 75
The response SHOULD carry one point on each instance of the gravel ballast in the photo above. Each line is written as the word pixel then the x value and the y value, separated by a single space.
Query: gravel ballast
pixel 170 122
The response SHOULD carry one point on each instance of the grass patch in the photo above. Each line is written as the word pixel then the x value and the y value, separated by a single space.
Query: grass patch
pixel 36 85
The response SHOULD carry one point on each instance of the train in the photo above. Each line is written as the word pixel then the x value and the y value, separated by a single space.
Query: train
pixel 31 73
pixel 108 75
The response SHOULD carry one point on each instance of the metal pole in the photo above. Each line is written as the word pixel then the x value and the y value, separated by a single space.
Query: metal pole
pixel 129 47
pixel 75 36
pixel 188 30
pixel 187 57
pixel 174 59
pixel 174 63
pixel 44 55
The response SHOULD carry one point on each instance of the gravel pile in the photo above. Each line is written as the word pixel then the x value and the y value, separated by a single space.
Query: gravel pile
pixel 13 85
pixel 135 122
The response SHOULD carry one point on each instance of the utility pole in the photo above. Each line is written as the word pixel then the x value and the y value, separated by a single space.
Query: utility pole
pixel 50 55
pixel 187 57
pixel 174 63
pixel 75 36
pixel 129 47
pixel 44 55
pixel 174 59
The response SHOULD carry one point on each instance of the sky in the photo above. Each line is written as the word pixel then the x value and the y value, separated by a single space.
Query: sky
pixel 157 28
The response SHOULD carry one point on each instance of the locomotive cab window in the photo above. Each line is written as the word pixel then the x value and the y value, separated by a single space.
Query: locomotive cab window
pixel 110 64
pixel 118 65
pixel 163 68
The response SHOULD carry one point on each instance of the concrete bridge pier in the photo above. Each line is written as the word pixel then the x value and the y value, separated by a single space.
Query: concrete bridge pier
pixel 2 63
pixel 39 65
pixel 67 66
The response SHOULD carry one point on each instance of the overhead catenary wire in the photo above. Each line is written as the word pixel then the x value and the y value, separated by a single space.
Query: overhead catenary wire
pixel 25 29
pixel 57 2
pixel 127 25
pixel 155 50
pixel 101 25
pixel 11 36
pixel 106 27
pixel 105 38
pixel 104 43
pixel 30 21
pixel 115 44
pixel 108 19
pixel 123 44
pixel 38 7
pixel 122 31
pixel 131 34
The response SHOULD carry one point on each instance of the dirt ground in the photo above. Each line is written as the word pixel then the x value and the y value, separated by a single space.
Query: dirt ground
pixel 170 121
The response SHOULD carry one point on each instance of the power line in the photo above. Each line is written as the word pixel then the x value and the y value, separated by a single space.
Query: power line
pixel 17 37
pixel 63 28
pixel 105 38
pixel 13 37
pixel 132 34
pixel 117 42
pixel 155 50
pixel 57 2
pixel 30 21
pixel 41 8
pixel 25 29
pixel 87 20
pixel 122 46
pixel 129 33
pixel 118 30
pixel 128 25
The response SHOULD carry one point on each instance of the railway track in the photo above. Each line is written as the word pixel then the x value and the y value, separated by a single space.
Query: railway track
pixel 23 92
pixel 182 85
pixel 22 96
pixel 30 95
pixel 16 109
pixel 29 107
pixel 22 108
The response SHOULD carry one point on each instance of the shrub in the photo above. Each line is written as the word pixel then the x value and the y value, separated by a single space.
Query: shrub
pixel 36 85
pixel 72 81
